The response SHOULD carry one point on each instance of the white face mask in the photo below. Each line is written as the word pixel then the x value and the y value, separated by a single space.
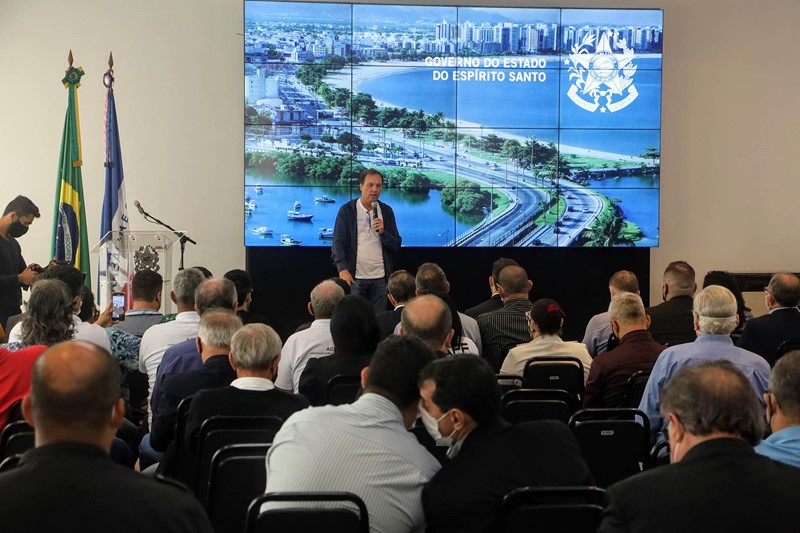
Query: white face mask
pixel 432 426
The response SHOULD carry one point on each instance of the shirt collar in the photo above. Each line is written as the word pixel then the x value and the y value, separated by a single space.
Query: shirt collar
pixel 324 323
pixel 781 309
pixel 187 316
pixel 253 383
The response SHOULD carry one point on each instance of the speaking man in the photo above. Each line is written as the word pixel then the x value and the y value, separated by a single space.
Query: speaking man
pixel 365 238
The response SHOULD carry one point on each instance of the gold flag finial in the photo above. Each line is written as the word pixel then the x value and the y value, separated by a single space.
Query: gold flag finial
pixel 110 61
pixel 69 58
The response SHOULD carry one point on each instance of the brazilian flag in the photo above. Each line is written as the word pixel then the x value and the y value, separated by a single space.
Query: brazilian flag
pixel 70 241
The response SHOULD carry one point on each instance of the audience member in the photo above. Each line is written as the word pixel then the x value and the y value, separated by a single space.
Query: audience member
pixel 783 411
pixel 146 288
pixel 310 343
pixel 637 351
pixel 496 300
pixel 428 317
pixel 217 327
pixel 364 447
pixel 255 352
pixel 401 289
pixel 158 338
pixel 488 457
pixel 244 296
pixel 598 330
pixel 763 335
pixel 545 320
pixel 89 312
pixel 717 481
pixel 714 318
pixel 68 483
pixel 341 283
pixel 726 279
pixel 355 335
pixel 431 279
pixel 84 331
pixel 671 321
pixel 47 322
pixel 506 327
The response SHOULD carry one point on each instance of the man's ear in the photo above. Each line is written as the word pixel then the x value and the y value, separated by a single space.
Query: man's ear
pixel 492 285
pixel 647 321
pixel 27 410
pixel 696 321
pixel 199 344
pixel 230 360
pixel 364 374
pixel 449 339
pixel 173 297
pixel 678 431
pixel 310 309
pixel 118 413
pixel 447 287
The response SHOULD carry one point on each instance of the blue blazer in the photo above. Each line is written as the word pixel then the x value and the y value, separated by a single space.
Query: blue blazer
pixel 345 238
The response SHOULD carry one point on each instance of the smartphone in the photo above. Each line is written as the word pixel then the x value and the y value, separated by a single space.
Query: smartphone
pixel 118 306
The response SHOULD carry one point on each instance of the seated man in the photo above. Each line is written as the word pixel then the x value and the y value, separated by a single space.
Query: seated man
pixel 783 411
pixel 496 300
pixel 716 482
pixel 68 482
pixel 428 318
pixel 764 334
pixel 714 319
pixel 598 330
pixel 255 352
pixel 244 296
pixel 217 328
pixel 401 289
pixel 364 447
pixel 488 457
pixel 610 371
pixel 671 321
pixel 146 287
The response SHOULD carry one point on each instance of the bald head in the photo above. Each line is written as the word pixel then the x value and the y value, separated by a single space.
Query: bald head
pixel 785 289
pixel 428 318
pixel 513 282
pixel 215 293
pixel 679 279
pixel 75 387
pixel 324 298
pixel 623 281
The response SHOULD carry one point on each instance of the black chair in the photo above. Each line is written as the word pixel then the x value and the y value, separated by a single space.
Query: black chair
pixel 634 390
pixel 183 458
pixel 524 405
pixel 219 431
pixel 565 373
pixel 15 412
pixel 553 509
pixel 659 455
pixel 615 443
pixel 16 438
pixel 10 463
pixel 298 519
pixel 786 347
pixel 238 475
pixel 509 382
pixel 341 389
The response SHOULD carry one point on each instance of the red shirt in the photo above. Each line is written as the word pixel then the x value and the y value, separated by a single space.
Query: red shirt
pixel 15 376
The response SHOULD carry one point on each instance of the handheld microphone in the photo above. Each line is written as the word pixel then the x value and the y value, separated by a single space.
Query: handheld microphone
pixel 139 207
pixel 374 211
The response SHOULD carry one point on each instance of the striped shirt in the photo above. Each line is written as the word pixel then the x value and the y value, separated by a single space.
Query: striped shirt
pixel 503 329
pixel 363 448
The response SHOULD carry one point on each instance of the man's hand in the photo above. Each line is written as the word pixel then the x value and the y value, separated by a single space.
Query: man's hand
pixel 345 275
pixel 377 225
pixel 27 276
pixel 104 319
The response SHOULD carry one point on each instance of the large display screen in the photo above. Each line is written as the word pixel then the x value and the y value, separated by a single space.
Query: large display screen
pixel 491 126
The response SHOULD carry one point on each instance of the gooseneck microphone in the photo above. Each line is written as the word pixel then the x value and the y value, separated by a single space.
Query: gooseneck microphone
pixel 374 211
pixel 139 207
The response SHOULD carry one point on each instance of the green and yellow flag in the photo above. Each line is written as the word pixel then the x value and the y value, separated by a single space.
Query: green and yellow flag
pixel 70 241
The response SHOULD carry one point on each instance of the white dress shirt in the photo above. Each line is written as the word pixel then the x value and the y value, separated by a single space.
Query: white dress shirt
pixel 546 345
pixel 307 344
pixel 363 448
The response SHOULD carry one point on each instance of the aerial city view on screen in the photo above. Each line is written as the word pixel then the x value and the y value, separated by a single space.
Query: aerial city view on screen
pixel 491 126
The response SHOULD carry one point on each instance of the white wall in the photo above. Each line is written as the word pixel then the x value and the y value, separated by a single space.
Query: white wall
pixel 731 121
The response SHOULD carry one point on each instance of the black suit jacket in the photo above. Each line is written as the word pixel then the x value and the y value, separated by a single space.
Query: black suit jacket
pixel 388 320
pixel 672 322
pixel 496 458
pixel 230 401
pixel 719 485
pixel 215 372
pixel 764 334
pixel 73 487
pixel 320 370
pixel 492 304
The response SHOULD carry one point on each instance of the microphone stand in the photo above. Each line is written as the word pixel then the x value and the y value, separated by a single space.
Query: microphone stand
pixel 183 238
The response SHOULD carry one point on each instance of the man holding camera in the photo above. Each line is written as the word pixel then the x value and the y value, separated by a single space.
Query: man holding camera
pixel 14 274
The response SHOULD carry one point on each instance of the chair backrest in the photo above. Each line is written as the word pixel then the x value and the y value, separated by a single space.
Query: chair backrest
pixel 10 463
pixel 564 373
pixel 615 443
pixel 184 458
pixel 634 390
pixel 219 431
pixel 786 347
pixel 17 437
pixel 15 412
pixel 659 455
pixel 509 382
pixel 341 389
pixel 553 509
pixel 238 474
pixel 342 518
pixel 524 405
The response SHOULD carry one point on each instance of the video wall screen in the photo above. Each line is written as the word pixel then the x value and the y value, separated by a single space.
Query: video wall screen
pixel 491 126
